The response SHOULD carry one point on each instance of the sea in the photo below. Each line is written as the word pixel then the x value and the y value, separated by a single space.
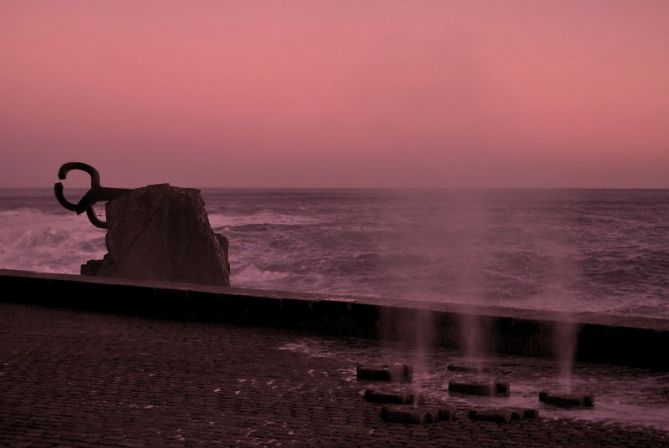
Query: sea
pixel 604 251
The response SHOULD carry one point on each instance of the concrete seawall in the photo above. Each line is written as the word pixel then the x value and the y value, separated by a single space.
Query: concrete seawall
pixel 632 341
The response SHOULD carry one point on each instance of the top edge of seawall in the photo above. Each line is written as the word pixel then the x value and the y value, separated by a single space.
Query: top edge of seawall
pixel 609 320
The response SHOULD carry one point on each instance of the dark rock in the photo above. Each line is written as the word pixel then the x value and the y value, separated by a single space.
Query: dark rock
pixel 525 413
pixel 415 415
pixel 468 368
pixel 446 414
pixel 491 415
pixel 91 267
pixel 393 396
pixel 400 373
pixel 160 232
pixel 567 400
pixel 486 389
pixel 502 389
pixel 502 415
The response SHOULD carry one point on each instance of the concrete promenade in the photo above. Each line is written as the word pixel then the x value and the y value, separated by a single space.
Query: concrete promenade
pixel 620 340
pixel 75 378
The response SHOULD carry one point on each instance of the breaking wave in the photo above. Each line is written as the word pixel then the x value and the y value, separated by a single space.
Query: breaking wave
pixel 575 250
pixel 31 239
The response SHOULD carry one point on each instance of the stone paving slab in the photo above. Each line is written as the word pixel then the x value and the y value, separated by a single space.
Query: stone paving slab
pixel 71 378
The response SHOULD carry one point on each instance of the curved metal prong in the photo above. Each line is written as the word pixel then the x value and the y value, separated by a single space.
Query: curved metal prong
pixel 93 218
pixel 89 198
pixel 71 166
pixel 95 194
pixel 58 189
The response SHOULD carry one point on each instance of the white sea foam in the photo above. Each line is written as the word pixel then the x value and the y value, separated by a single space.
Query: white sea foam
pixel 251 274
pixel 562 250
pixel 37 241
pixel 222 221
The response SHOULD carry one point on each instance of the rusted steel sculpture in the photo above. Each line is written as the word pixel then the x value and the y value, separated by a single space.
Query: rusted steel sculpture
pixel 156 232
pixel 96 194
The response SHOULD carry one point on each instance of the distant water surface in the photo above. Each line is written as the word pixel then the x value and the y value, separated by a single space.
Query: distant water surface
pixel 579 250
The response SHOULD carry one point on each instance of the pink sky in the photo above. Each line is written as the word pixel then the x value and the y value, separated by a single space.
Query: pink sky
pixel 337 93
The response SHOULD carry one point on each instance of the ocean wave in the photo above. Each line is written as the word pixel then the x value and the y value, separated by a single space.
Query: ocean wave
pixel 222 221
pixel 252 276
pixel 534 255
pixel 10 213
pixel 28 213
pixel 34 240
pixel 255 228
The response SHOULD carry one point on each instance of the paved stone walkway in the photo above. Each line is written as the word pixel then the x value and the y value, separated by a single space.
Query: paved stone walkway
pixel 69 378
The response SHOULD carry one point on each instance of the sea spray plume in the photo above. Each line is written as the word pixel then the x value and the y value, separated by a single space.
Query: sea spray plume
pixel 413 327
pixel 470 222
pixel 41 240
pixel 617 241
pixel 424 329
pixel 562 275
pixel 565 333
pixel 449 228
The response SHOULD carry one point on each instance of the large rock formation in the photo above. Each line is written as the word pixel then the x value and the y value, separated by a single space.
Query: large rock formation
pixel 160 232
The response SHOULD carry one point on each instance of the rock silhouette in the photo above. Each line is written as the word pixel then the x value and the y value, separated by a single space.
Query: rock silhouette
pixel 160 232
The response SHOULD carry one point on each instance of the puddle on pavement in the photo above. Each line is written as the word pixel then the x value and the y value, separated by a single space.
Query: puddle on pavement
pixel 623 395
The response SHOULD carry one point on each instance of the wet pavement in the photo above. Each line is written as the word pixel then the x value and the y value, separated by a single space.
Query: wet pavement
pixel 70 378
pixel 623 395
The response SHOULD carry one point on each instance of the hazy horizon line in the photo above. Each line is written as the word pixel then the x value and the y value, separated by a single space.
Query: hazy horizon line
pixel 365 188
